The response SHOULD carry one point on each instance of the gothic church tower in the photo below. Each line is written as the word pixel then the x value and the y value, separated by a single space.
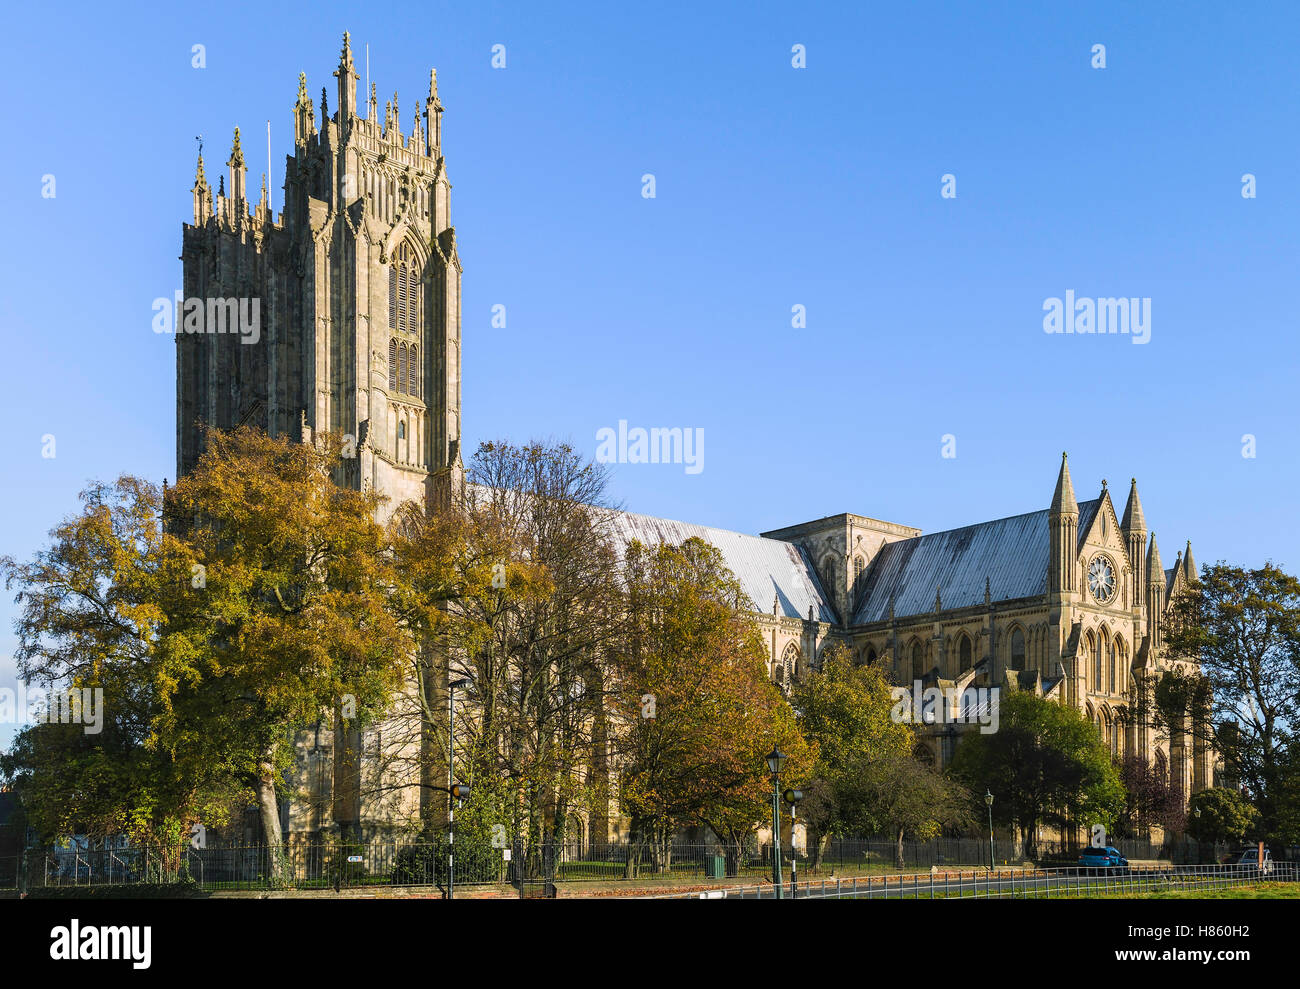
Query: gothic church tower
pixel 355 290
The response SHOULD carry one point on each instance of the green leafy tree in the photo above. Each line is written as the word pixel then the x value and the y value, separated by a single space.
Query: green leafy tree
pixel 1242 627
pixel 844 710
pixel 1224 815
pixel 902 796
pixel 1046 764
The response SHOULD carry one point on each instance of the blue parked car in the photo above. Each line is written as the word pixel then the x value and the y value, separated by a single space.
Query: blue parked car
pixel 1103 858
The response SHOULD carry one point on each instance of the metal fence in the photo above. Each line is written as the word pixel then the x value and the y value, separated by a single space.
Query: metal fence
pixel 536 869
pixel 983 884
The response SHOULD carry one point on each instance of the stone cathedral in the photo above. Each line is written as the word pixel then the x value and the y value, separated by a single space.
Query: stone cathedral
pixel 357 284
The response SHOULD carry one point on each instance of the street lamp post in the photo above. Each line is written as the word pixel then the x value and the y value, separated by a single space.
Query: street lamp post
pixel 459 792
pixel 454 793
pixel 775 760
pixel 988 800
pixel 792 797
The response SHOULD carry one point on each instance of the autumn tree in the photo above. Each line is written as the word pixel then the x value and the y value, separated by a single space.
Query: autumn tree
pixel 1149 799
pixel 92 608
pixel 539 519
pixel 285 613
pixel 698 709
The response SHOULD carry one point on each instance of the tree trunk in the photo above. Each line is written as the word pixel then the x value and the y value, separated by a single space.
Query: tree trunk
pixel 898 850
pixel 1031 840
pixel 663 850
pixel 816 849
pixel 269 809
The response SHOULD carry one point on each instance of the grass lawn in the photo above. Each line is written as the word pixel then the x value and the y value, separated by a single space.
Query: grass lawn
pixel 1259 891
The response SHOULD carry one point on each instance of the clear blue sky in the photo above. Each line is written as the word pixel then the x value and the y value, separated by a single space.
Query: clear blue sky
pixel 775 187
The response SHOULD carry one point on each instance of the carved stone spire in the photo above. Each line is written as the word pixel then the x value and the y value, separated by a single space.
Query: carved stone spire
pixel 202 194
pixel 1063 497
pixel 347 77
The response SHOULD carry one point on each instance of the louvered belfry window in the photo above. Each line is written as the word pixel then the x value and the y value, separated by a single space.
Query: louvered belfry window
pixel 405 316
pixel 402 323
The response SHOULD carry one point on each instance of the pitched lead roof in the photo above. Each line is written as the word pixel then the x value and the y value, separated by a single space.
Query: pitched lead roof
pixel 764 567
pixel 1011 553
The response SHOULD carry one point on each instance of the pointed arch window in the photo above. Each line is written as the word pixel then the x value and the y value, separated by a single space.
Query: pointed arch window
pixel 1018 648
pixel 789 665
pixel 392 364
pixel 964 651
pixel 405 290
pixel 918 661
pixel 401 367
pixel 415 371
pixel 828 572
pixel 1098 684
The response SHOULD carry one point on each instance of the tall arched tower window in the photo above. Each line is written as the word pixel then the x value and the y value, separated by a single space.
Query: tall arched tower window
pixel 964 651
pixel 405 320
pixel 918 662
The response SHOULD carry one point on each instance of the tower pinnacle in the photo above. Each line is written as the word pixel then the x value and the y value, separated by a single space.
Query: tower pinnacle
pixel 347 77
pixel 1063 497
pixel 1133 519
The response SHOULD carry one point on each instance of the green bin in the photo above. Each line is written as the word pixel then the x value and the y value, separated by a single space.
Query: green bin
pixel 715 866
